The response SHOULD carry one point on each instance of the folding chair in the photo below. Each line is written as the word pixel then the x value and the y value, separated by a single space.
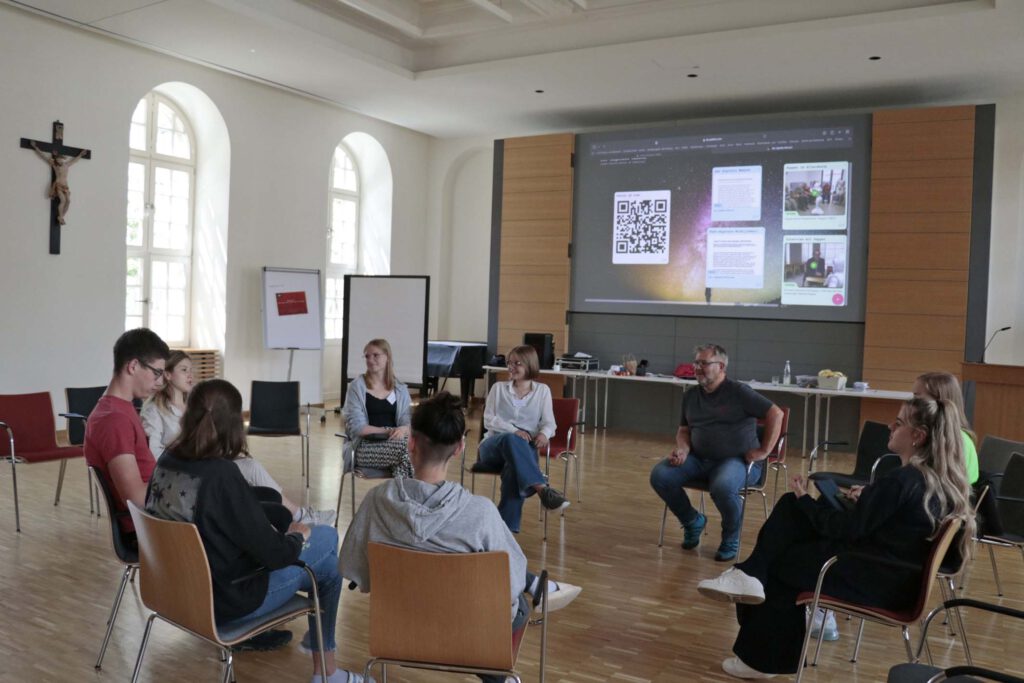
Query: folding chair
pixel 455 616
pixel 901 618
pixel 125 549
pixel 177 587
pixel 80 402
pixel 28 418
pixel 274 411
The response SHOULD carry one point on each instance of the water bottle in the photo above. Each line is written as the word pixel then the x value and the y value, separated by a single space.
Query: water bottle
pixel 787 374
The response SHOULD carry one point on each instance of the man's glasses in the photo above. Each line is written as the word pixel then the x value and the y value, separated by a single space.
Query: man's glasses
pixel 705 363
pixel 158 373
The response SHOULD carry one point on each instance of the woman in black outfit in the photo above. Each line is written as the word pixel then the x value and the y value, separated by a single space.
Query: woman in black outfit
pixel 895 518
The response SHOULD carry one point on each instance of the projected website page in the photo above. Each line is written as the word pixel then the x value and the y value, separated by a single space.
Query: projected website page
pixel 765 220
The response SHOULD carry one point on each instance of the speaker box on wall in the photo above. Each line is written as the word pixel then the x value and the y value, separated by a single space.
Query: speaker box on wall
pixel 545 346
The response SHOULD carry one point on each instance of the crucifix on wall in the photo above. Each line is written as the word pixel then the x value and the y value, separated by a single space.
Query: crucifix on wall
pixel 60 159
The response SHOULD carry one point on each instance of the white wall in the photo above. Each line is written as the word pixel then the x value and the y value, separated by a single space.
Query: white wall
pixel 1006 274
pixel 61 314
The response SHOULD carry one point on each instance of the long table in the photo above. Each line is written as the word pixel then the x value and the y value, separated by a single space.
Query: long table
pixel 820 395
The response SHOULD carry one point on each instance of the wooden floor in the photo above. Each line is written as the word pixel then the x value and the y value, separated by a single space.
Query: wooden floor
pixel 639 618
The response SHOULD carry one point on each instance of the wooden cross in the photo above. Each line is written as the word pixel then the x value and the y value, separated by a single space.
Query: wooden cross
pixel 60 159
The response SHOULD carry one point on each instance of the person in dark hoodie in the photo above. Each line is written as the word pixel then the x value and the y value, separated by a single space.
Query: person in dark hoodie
pixel 432 514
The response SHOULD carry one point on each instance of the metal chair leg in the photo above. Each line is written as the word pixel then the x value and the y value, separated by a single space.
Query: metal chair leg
pixel 14 481
pixel 661 536
pixel 906 643
pixel 60 480
pixel 856 647
pixel 113 614
pixel 352 485
pixel 142 647
pixel 991 557
pixel 341 490
pixel 88 484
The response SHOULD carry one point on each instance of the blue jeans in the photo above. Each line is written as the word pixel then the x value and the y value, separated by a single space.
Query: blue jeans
pixel 519 473
pixel 724 479
pixel 322 557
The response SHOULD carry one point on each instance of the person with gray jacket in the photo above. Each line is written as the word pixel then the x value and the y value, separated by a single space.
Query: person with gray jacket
pixel 429 513
pixel 377 414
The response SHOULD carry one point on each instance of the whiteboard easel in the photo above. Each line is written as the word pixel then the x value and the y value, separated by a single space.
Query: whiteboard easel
pixel 292 305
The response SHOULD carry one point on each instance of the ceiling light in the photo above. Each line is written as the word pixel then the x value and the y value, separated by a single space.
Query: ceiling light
pixel 874 58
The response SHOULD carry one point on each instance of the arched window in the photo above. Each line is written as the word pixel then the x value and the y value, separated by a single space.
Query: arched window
pixel 161 182
pixel 343 239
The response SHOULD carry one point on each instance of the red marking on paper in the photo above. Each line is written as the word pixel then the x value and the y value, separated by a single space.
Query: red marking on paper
pixel 291 303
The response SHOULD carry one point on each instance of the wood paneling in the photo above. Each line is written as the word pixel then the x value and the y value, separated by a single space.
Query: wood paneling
pixel 205 363
pixel 998 399
pixel 918 246
pixel 536 227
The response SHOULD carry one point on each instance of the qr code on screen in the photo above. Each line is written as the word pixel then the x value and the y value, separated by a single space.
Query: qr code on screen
pixel 641 227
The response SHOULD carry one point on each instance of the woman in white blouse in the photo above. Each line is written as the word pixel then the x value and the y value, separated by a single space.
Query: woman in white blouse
pixel 161 418
pixel 518 419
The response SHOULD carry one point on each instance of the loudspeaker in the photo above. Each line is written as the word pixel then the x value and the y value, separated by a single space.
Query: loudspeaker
pixel 545 346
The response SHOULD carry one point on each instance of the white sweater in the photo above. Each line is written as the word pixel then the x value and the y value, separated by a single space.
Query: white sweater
pixel 533 414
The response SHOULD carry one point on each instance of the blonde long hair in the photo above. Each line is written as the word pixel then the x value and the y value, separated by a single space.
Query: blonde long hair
pixel 163 398
pixel 942 385
pixel 940 459
pixel 389 369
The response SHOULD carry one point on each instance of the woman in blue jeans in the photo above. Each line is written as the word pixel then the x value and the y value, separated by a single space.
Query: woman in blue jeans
pixel 519 421
pixel 251 562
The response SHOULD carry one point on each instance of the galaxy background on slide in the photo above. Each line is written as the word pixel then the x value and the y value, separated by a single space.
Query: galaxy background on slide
pixel 688 175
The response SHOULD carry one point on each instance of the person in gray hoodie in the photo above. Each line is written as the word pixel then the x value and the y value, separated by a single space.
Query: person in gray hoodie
pixel 432 514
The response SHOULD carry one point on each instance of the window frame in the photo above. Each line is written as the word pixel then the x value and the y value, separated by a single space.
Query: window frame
pixel 335 271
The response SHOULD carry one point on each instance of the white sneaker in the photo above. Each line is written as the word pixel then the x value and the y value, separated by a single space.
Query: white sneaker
pixel 734 585
pixel 829 619
pixel 313 517
pixel 560 598
pixel 734 666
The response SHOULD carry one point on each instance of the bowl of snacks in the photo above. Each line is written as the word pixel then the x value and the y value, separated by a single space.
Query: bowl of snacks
pixel 831 379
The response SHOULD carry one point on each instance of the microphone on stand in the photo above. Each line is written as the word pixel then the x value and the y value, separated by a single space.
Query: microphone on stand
pixel 990 339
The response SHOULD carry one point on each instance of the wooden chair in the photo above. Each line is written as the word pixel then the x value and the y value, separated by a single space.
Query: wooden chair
pixel 903 618
pixel 274 412
pixel 176 585
pixel 80 402
pixel 125 550
pixel 28 421
pixel 778 454
pixel 443 612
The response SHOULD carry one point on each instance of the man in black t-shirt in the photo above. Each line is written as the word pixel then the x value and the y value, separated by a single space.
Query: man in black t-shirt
pixel 716 439
pixel 814 268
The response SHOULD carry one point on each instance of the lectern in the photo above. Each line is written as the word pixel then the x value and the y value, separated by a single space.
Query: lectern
pixel 998 399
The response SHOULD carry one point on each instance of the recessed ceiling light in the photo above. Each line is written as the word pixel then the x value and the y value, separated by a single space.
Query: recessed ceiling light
pixel 538 91
pixel 253 50
pixel 691 75
pixel 874 58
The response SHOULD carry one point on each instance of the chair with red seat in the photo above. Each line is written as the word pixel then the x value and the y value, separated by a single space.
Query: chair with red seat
pixel 902 618
pixel 31 438
pixel 563 443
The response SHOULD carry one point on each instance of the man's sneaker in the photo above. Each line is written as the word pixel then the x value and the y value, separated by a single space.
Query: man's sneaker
pixel 274 639
pixel 560 598
pixel 727 551
pixel 692 532
pixel 734 585
pixel 313 517
pixel 553 499
pixel 831 629
pixel 736 667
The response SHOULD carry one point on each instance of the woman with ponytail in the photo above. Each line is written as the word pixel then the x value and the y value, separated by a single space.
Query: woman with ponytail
pixel 196 481
pixel 895 518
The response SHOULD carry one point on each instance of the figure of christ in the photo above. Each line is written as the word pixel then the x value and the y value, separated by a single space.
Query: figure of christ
pixel 59 190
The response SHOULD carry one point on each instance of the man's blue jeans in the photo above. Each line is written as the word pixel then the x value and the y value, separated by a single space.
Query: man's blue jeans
pixel 724 479
pixel 519 473
pixel 322 558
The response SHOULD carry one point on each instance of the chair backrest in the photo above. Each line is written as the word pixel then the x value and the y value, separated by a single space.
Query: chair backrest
pixel 567 411
pixel 117 539
pixel 873 444
pixel 885 464
pixel 175 575
pixel 940 545
pixel 80 400
pixel 30 418
pixel 274 406
pixel 1011 496
pixel 443 608
pixel 778 452
pixel 994 453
